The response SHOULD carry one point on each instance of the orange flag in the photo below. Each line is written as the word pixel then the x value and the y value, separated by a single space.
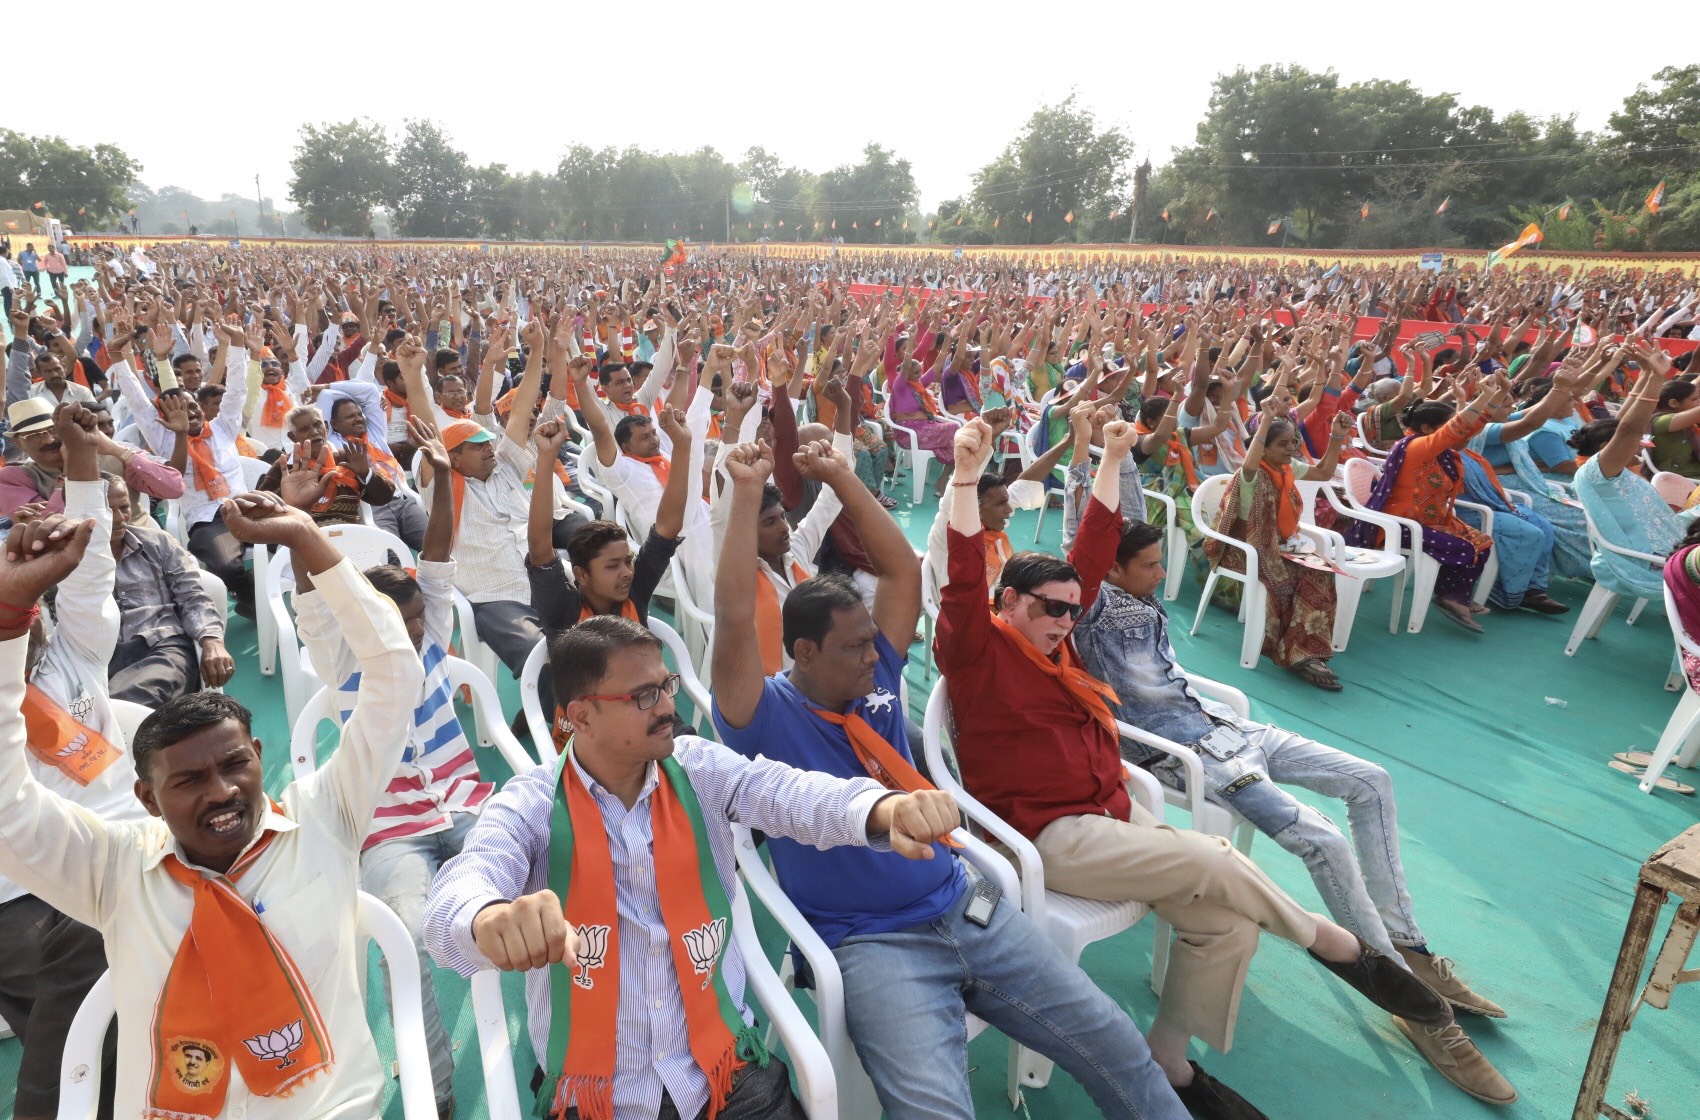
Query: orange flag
pixel 1069 217
pixel 1654 198
pixel 1363 213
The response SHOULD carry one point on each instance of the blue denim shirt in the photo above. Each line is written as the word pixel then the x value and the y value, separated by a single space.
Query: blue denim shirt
pixel 1124 642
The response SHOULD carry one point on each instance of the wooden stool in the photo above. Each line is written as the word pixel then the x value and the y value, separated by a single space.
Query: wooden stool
pixel 1673 869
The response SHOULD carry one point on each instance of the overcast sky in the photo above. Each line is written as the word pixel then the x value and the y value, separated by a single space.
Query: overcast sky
pixel 519 81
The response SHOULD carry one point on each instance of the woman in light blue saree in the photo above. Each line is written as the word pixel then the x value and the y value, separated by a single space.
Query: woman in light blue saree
pixel 1557 516
pixel 1626 509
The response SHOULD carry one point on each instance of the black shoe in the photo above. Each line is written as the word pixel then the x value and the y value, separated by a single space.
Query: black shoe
pixel 1391 987
pixel 1542 603
pixel 1208 1099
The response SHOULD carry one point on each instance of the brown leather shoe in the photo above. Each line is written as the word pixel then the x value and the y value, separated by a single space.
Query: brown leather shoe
pixel 1449 1050
pixel 1395 990
pixel 1439 974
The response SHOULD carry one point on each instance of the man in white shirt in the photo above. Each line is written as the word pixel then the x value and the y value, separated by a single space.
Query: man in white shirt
pixel 272 884
pixel 204 452
pixel 51 960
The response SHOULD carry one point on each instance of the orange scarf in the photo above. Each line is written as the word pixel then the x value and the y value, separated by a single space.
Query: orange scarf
pixel 392 402
pixel 277 406
pixel 340 478
pixel 380 457
pixel 233 995
pixel 628 610
pixel 660 464
pixel 770 626
pixel 584 1008
pixel 1287 501
pixel 998 552
pixel 207 476
pixel 1088 691
pixel 1176 451
pixel 879 758
pixel 457 413
pixel 59 739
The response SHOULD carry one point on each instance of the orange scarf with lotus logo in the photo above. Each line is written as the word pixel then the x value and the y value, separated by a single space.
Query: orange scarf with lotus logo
pixel 233 996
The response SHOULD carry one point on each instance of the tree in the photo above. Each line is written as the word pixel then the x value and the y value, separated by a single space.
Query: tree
pixel 1060 163
pixel 1658 129
pixel 79 186
pixel 341 171
pixel 880 189
pixel 431 185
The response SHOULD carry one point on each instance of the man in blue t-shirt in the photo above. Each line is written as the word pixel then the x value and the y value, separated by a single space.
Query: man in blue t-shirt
pixel 915 956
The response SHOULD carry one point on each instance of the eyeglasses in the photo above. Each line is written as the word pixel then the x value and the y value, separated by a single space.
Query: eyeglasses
pixel 648 696
pixel 1056 608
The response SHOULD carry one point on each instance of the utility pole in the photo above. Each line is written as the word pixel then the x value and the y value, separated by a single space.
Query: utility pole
pixel 260 200
pixel 728 220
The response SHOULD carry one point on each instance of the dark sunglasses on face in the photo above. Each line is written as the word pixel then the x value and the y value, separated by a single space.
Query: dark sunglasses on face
pixel 1056 608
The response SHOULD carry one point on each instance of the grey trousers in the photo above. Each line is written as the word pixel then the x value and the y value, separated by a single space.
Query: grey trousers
pixel 49 964
pixel 152 673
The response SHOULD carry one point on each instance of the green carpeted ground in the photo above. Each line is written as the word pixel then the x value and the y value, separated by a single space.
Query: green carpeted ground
pixel 1520 846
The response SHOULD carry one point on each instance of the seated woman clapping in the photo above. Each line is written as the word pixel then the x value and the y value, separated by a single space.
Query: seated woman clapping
pixel 1262 508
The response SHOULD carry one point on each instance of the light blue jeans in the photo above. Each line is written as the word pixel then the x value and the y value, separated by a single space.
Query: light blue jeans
pixel 1361 881
pixel 398 873
pixel 905 995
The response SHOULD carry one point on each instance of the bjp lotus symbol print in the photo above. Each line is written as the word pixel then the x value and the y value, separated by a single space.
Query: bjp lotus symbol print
pixel 704 944
pixel 592 949
pixel 276 1046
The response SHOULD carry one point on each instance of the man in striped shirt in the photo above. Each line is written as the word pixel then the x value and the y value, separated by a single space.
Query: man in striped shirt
pixel 434 798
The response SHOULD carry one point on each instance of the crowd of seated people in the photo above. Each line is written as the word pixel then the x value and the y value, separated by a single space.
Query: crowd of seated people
pixel 553 448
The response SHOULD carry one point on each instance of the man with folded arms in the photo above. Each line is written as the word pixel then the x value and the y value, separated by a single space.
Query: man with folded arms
pixel 230 921
pixel 1038 745
pixel 608 877
pixel 905 935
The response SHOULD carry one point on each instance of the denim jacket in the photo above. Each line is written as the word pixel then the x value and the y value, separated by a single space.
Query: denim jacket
pixel 1124 642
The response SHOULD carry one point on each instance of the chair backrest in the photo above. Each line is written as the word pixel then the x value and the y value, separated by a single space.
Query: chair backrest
pixel 130 715
pixel 217 592
pixel 1361 477
pixel 1673 488
pixel 1685 643
pixel 541 723
pixel 368 546
pixel 587 482
pixel 929 587
pixel 688 678
pixel 253 470
pixel 486 705
pixel 80 1065
pixel 1207 499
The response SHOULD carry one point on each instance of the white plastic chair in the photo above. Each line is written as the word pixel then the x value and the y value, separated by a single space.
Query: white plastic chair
pixel 492 728
pixel 909 444
pixel 79 1076
pixel 299 679
pixel 816 1086
pixel 1601 600
pixel 695 622
pixel 1363 441
pixel 1254 599
pixel 1207 816
pixel 1362 564
pixel 1674 488
pixel 253 470
pixel 1360 478
pixel 472 647
pixel 929 610
pixel 216 591
pixel 587 482
pixel 130 715
pixel 1072 923
pixel 1174 543
pixel 1680 741
pixel 1029 456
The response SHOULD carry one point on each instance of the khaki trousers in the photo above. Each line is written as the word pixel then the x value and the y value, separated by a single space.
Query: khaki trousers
pixel 1215 897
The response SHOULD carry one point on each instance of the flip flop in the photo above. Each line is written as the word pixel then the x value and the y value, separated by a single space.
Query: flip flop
pixel 1639 772
pixel 1465 621
pixel 1642 759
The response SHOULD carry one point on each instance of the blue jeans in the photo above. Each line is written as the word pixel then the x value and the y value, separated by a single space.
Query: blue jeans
pixel 398 873
pixel 1362 881
pixel 905 995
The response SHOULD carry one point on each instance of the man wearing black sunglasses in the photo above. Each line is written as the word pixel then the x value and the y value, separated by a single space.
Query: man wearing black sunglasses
pixel 1038 744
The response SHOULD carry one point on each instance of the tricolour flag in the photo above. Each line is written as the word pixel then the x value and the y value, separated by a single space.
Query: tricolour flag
pixel 1530 235
pixel 1274 227
pixel 1564 212
pixel 1654 197
pixel 1444 203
